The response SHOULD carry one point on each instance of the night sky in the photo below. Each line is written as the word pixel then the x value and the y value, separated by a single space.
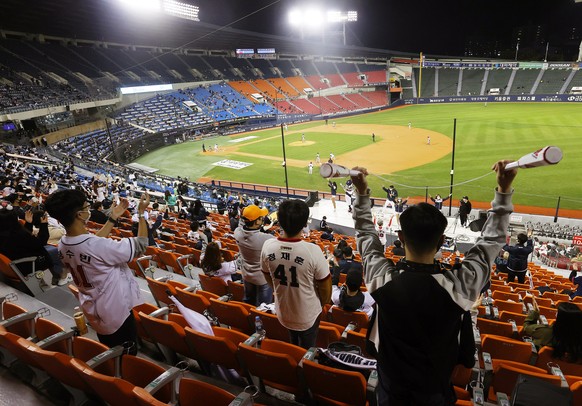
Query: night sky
pixel 435 27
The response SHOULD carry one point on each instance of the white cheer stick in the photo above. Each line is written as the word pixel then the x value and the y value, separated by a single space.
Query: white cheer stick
pixel 328 170
pixel 546 156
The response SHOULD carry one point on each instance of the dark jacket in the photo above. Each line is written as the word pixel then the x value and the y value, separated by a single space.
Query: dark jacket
pixel 22 244
pixel 97 216
pixel 518 255
pixel 465 207
pixel 344 265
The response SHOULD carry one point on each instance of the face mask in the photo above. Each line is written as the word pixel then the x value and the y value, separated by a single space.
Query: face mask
pixel 88 216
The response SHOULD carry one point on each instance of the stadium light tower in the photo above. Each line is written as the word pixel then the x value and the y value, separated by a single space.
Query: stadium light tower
pixel 313 20
pixel 171 7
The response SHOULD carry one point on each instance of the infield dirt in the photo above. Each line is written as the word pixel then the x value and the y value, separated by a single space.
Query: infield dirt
pixel 396 147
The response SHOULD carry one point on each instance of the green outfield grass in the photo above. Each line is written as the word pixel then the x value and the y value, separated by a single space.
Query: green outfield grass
pixel 484 134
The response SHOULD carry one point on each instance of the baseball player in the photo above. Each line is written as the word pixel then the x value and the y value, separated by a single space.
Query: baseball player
pixel 317 159
pixel 310 168
pixel 107 289
pixel 299 274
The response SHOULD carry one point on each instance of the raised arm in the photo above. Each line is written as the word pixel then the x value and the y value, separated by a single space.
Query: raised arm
pixel 476 267
pixel 369 246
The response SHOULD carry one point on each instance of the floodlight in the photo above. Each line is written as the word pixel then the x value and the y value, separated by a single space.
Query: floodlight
pixel 143 5
pixel 334 17
pixel 295 17
pixel 312 17
pixel 181 10
pixel 352 16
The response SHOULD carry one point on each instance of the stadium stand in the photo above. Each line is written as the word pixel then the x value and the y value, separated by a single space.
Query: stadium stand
pixel 265 66
pixel 428 81
pixel 376 77
pixel 472 82
pixel 448 81
pixel 524 81
pixel 299 83
pixel 552 81
pixel 498 78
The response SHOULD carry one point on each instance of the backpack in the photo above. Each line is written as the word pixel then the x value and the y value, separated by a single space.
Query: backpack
pixel 531 391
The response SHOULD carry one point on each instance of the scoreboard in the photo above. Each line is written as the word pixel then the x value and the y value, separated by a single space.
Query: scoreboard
pixel 259 53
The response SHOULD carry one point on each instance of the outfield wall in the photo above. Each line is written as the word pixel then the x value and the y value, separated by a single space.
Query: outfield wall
pixel 529 98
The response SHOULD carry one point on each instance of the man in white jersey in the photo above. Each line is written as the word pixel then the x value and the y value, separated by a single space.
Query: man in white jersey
pixel 299 274
pixel 107 288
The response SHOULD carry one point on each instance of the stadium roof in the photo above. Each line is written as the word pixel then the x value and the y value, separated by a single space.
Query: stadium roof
pixel 102 20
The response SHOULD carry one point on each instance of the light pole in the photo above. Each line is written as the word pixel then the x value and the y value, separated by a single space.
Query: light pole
pixel 314 21
pixel 285 161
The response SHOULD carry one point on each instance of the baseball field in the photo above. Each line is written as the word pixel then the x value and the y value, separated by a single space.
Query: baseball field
pixel 401 154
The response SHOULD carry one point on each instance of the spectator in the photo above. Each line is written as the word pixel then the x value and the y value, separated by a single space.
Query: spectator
pixel 233 219
pixel 97 216
pixel 323 226
pixel 152 228
pixel 346 263
pixel 170 199
pixel 501 262
pixel 107 289
pixel 350 297
pixel 197 235
pixel 250 242
pixel 398 250
pixel 213 264
pixel 564 335
pixel 199 213
pixel 517 262
pixel 298 273
pixel 418 345
pixel 17 242
pixel 576 280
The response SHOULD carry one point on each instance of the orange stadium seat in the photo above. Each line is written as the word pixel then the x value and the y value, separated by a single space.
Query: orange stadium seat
pixel 506 348
pixel 276 364
pixel 335 386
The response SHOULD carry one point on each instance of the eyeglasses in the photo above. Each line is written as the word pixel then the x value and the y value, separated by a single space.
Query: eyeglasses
pixel 86 209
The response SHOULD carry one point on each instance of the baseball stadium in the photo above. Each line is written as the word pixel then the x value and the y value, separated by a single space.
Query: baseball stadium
pixel 144 142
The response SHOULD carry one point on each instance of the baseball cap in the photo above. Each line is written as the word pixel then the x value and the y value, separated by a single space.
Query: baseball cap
pixel 253 212
pixel 354 279
pixel 466 197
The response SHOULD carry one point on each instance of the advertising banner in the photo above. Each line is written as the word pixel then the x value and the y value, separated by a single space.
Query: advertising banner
pixel 543 98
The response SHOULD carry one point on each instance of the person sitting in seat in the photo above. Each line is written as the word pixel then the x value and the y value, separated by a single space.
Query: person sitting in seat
pixel 349 297
pixel 97 215
pixel 213 264
pixel 17 242
pixel 564 335
pixel 346 263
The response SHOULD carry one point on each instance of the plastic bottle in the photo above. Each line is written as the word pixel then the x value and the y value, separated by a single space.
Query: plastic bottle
pixel 259 325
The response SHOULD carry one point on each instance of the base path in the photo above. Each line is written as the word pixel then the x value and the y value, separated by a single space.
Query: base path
pixel 396 148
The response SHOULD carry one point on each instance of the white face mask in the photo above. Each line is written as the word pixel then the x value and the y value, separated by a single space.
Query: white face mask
pixel 88 215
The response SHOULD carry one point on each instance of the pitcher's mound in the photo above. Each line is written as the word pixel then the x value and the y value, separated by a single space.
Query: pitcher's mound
pixel 301 144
